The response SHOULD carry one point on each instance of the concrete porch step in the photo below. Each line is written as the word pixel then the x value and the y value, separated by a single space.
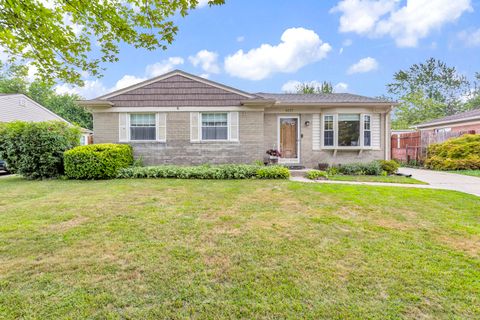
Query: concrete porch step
pixel 298 172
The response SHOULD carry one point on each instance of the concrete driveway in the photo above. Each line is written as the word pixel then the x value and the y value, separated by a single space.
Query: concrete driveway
pixel 446 180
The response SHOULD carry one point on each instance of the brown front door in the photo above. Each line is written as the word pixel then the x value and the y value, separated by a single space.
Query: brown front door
pixel 288 138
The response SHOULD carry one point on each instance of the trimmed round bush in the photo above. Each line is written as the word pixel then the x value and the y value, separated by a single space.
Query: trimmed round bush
pixel 35 149
pixel 389 166
pixel 97 161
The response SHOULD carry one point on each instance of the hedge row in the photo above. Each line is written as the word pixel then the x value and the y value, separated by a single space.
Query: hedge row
pixel 97 161
pixel 461 153
pixel 227 171
pixel 35 149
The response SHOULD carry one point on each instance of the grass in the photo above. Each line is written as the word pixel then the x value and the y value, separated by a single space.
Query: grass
pixel 388 179
pixel 473 173
pixel 176 249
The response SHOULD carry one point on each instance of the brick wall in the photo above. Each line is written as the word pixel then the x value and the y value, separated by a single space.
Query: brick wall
pixel 179 150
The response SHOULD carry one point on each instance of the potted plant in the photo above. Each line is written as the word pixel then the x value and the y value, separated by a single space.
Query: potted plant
pixel 273 155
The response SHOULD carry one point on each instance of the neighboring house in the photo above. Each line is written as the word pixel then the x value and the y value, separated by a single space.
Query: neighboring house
pixel 19 107
pixel 180 118
pixel 457 124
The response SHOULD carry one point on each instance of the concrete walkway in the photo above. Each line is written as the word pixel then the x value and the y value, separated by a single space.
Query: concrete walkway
pixel 446 180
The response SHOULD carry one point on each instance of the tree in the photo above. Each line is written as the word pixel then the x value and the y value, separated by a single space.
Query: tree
pixel 57 36
pixel 427 91
pixel 14 80
pixel 473 98
pixel 310 88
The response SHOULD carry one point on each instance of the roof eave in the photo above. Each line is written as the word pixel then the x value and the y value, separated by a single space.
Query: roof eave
pixel 95 103
pixel 456 121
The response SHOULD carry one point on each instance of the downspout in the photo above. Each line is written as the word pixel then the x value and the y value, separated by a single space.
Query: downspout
pixel 387 134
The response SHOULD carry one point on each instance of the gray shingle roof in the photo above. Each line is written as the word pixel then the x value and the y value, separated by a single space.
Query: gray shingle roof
pixel 453 118
pixel 320 98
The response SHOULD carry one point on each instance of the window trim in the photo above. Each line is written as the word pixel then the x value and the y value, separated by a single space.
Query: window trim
pixel 200 126
pixel 335 135
pixel 363 130
pixel 129 138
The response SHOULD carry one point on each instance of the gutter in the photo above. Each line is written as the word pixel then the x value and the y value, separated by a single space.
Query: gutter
pixel 434 124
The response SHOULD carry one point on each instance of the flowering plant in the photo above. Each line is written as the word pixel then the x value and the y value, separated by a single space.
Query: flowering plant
pixel 274 153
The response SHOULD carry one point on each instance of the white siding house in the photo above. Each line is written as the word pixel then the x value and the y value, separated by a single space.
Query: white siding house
pixel 18 107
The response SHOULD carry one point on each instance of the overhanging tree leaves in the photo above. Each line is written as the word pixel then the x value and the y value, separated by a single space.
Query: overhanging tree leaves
pixel 58 36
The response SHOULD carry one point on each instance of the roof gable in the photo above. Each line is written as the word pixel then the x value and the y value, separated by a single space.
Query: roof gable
pixel 176 76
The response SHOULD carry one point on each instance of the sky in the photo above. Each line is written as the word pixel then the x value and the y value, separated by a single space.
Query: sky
pixel 272 45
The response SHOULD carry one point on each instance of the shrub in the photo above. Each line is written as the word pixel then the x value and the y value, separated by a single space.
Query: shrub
pixel 97 161
pixel 371 169
pixel 273 172
pixel 389 166
pixel 316 175
pixel 227 171
pixel 332 171
pixel 35 149
pixel 461 153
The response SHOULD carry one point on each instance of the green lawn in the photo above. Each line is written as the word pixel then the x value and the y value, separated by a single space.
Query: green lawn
pixel 473 173
pixel 176 249
pixel 388 179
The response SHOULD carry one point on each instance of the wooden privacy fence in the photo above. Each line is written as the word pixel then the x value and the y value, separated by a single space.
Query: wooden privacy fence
pixel 413 146
pixel 406 147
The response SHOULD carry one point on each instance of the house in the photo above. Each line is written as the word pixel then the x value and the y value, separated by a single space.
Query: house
pixel 19 107
pixel 457 124
pixel 179 118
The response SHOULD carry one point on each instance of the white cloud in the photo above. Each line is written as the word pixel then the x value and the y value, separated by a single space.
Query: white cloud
pixel 240 38
pixel 207 60
pixel 205 75
pixel 163 66
pixel 471 38
pixel 95 88
pixel 126 81
pixel 340 87
pixel 298 48
pixel 406 24
pixel 291 86
pixel 364 65
pixel 91 89
pixel 202 3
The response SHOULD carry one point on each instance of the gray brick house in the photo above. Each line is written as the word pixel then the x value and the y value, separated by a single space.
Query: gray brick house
pixel 179 118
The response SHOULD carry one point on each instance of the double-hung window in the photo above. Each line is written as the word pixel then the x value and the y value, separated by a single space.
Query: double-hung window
pixel 142 126
pixel 328 131
pixel 367 130
pixel 214 126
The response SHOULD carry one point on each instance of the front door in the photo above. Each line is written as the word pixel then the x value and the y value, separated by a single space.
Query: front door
pixel 289 139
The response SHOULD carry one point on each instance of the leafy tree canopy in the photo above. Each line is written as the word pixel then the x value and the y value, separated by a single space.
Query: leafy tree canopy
pixel 57 36
pixel 427 91
pixel 13 79
pixel 310 88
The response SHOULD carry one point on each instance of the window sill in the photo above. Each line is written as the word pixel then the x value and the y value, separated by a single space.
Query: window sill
pixel 145 141
pixel 349 148
pixel 216 142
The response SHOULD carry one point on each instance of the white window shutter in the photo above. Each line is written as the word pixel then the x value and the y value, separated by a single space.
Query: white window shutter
pixel 376 130
pixel 123 127
pixel 194 129
pixel 161 126
pixel 234 124
pixel 316 128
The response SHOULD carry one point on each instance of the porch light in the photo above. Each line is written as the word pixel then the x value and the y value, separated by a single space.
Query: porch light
pixel 307 123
